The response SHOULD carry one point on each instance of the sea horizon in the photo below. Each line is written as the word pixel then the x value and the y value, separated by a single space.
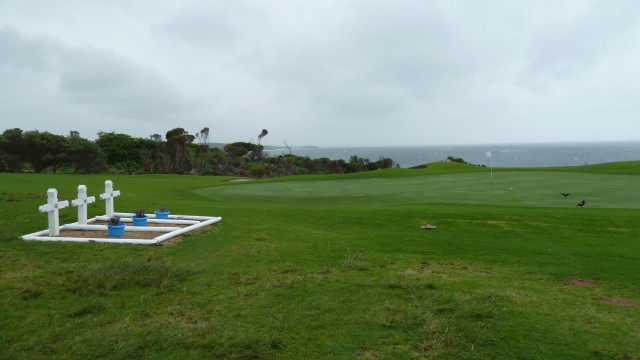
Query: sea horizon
pixel 544 154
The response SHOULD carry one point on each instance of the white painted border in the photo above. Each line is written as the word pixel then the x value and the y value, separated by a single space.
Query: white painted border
pixel 194 222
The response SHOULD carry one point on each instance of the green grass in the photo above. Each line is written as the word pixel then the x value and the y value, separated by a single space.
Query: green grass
pixel 319 267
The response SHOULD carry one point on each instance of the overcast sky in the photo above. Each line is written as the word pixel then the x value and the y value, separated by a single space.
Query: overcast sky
pixel 327 73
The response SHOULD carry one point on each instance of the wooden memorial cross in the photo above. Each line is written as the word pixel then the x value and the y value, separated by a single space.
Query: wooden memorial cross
pixel 52 206
pixel 108 196
pixel 81 202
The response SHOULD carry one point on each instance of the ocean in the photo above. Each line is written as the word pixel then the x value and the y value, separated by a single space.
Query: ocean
pixel 503 155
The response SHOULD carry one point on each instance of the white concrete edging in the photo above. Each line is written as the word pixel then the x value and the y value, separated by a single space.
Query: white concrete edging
pixel 127 228
pixel 54 205
pixel 169 231
pixel 167 236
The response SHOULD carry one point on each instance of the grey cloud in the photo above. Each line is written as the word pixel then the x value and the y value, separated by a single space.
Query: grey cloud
pixel 116 86
pixel 408 50
pixel 96 79
pixel 21 54
pixel 577 41
pixel 406 71
pixel 219 24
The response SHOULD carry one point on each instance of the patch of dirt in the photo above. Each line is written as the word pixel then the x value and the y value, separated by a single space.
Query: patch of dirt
pixel 582 282
pixel 367 353
pixel 240 180
pixel 143 235
pixel 619 301
pixel 97 234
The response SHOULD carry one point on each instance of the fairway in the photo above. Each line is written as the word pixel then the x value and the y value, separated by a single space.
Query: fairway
pixel 336 267
pixel 538 189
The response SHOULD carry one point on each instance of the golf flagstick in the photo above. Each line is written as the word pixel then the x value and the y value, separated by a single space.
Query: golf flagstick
pixel 488 153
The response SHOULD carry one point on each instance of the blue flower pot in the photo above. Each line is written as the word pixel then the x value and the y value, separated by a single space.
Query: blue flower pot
pixel 139 221
pixel 116 230
pixel 162 214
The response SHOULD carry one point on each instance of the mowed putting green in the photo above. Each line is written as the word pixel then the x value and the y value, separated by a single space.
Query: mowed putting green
pixel 539 189
pixel 337 267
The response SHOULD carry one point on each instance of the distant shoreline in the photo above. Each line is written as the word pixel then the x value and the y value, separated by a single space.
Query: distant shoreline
pixel 503 155
pixel 266 147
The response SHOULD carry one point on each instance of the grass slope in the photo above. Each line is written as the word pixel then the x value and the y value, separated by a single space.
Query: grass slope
pixel 336 267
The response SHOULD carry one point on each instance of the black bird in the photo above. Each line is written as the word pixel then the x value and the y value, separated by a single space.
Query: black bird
pixel 581 203
pixel 565 194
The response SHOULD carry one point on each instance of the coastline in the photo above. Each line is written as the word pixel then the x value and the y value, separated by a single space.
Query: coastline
pixel 503 155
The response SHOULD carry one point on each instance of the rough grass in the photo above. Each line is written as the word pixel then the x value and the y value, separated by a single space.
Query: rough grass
pixel 149 271
pixel 335 267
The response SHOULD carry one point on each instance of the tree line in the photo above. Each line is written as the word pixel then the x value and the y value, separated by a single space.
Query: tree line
pixel 178 153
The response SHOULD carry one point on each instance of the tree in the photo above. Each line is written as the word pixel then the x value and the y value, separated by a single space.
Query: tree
pixel 86 155
pixel 257 151
pixel 262 134
pixel 203 149
pixel 45 150
pixel 123 153
pixel 177 156
pixel 55 161
pixel 149 151
pixel 203 137
pixel 12 149
pixel 238 149
pixel 287 146
pixel 119 148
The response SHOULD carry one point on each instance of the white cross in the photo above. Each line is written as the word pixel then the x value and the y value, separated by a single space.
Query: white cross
pixel 52 206
pixel 81 202
pixel 108 196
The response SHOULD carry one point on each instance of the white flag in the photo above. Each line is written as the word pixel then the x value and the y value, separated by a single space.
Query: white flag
pixel 488 153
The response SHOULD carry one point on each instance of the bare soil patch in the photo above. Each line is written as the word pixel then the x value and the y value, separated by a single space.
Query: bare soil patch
pixel 619 302
pixel 98 234
pixel 145 235
pixel 583 282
